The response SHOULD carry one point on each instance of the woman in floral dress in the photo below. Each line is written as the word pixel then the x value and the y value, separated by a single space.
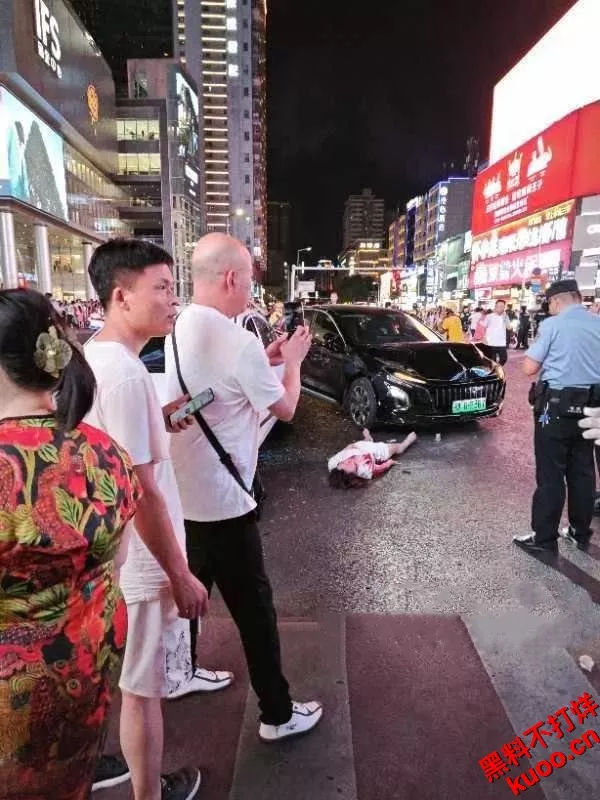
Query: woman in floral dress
pixel 66 492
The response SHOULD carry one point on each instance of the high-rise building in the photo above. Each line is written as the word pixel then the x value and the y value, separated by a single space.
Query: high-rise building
pixel 159 160
pixel 223 43
pixel 449 206
pixel 364 218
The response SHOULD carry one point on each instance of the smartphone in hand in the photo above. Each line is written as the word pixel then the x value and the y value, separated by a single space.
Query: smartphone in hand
pixel 197 403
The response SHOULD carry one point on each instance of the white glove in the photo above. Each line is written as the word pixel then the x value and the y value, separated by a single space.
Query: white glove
pixel 591 424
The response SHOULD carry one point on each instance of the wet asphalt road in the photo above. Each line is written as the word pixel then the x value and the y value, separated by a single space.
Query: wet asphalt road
pixel 434 535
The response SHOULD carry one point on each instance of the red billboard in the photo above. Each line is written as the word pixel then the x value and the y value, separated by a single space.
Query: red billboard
pixel 535 176
pixel 532 247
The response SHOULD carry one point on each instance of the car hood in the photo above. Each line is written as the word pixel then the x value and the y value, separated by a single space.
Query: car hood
pixel 443 361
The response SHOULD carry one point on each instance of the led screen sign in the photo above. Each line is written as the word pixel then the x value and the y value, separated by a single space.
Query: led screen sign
pixel 560 163
pixel 557 76
pixel 535 176
pixel 32 159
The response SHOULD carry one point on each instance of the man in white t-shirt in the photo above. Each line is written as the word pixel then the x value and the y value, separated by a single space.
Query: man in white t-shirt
pixel 135 286
pixel 496 325
pixel 223 541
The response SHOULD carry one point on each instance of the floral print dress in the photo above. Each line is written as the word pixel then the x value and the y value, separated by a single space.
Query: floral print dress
pixel 65 498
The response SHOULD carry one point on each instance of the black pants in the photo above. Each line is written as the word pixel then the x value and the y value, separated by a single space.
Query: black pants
pixel 523 338
pixel 499 354
pixel 230 555
pixel 564 460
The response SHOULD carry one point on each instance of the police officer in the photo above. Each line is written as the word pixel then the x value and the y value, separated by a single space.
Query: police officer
pixel 566 360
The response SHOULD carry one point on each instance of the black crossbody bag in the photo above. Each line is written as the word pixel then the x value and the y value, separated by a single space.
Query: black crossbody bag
pixel 256 492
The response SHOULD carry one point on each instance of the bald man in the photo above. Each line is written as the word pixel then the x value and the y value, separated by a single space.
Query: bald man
pixel 222 537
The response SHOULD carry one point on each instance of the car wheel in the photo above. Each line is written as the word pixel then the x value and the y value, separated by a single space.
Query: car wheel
pixel 361 403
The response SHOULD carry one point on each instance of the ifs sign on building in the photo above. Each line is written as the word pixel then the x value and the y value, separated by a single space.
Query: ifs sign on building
pixel 47 37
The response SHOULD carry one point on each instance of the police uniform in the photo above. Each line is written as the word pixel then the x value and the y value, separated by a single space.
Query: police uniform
pixel 568 348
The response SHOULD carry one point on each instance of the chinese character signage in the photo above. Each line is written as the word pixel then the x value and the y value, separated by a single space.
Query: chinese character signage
pixel 535 176
pixel 532 248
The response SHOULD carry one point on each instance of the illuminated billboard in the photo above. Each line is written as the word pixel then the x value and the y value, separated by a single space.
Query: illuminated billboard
pixel 188 134
pixel 46 44
pixel 533 247
pixel 535 176
pixel 559 75
pixel 32 160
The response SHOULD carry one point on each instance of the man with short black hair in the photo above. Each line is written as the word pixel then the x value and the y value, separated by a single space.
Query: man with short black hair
pixel 497 326
pixel 134 283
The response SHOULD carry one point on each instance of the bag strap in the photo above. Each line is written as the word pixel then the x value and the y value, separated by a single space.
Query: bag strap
pixel 224 456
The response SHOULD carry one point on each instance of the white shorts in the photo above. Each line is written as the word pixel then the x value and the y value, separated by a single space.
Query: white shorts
pixel 157 653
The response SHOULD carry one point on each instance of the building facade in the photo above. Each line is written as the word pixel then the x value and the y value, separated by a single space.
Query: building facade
pixel 58 149
pixel 449 207
pixel 159 162
pixel 223 46
pixel 364 219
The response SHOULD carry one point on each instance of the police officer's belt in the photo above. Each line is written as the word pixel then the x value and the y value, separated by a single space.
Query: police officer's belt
pixel 571 401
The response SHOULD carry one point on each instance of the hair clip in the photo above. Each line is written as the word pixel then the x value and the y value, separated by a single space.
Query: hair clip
pixel 52 354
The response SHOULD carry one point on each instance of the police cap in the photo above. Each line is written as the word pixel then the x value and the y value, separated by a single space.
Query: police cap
pixel 561 287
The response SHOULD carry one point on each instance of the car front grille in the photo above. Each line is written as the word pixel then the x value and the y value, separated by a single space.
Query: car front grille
pixel 443 397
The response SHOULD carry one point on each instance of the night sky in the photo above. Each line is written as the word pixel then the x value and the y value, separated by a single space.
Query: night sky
pixel 376 94
pixel 380 94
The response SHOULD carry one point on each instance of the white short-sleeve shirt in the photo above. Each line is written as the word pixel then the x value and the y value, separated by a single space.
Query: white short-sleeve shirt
pixel 495 329
pixel 217 354
pixel 126 407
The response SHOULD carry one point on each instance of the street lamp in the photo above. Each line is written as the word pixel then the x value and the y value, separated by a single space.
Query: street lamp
pixel 302 250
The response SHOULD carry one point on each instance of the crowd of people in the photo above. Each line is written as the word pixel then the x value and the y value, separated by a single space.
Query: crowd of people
pixel 78 313
pixel 117 520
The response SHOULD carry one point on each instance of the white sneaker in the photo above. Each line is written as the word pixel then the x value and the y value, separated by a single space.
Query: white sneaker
pixel 202 680
pixel 305 716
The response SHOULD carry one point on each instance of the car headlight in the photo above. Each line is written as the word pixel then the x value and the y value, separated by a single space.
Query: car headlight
pixel 400 396
pixel 406 377
pixel 500 372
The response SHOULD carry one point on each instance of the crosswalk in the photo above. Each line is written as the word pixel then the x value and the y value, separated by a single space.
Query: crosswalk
pixel 414 702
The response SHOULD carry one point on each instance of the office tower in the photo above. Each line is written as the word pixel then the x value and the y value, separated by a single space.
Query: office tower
pixel 222 44
pixel 364 218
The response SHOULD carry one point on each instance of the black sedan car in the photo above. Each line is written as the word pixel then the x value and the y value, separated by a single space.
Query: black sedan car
pixel 385 366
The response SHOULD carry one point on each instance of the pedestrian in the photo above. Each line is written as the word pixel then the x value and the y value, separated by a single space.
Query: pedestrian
pixel 452 326
pixel 67 492
pixel 215 477
pixel 523 330
pixel 134 283
pixel 359 462
pixel 474 320
pixel 541 316
pixel 565 360
pixel 497 328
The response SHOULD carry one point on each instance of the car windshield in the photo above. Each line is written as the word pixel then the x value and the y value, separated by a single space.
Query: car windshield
pixel 383 328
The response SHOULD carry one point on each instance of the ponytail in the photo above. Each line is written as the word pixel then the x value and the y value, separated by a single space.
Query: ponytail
pixel 75 393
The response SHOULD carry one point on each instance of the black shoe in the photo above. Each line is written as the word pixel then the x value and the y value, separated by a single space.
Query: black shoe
pixel 569 535
pixel 110 771
pixel 597 506
pixel 181 785
pixel 528 542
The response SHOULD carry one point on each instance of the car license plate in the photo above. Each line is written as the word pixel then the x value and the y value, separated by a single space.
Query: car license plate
pixel 469 406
